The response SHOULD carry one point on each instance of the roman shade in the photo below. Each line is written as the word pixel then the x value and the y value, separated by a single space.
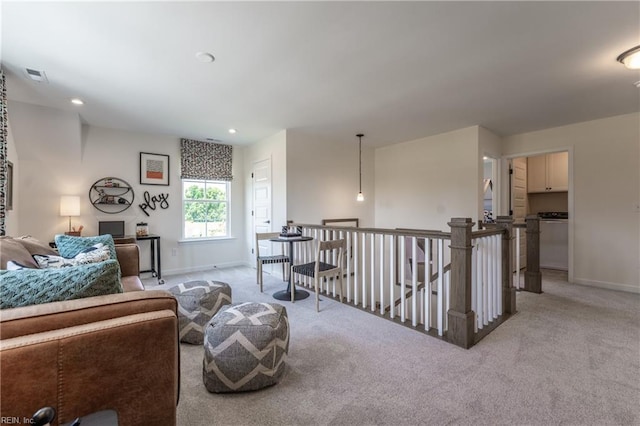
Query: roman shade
pixel 206 160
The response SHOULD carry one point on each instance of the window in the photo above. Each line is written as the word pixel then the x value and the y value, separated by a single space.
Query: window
pixel 205 205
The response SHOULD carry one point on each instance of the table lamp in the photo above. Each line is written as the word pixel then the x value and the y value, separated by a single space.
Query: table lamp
pixel 70 206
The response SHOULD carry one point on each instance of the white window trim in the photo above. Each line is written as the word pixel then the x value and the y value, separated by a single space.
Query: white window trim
pixel 228 235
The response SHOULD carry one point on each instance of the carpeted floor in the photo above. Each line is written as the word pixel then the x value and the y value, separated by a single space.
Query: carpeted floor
pixel 570 356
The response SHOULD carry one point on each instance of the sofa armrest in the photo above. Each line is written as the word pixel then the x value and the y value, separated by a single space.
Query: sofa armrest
pixel 51 316
pixel 117 351
pixel 129 259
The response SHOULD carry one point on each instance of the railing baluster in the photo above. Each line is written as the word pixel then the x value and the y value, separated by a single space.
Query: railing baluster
pixel 364 269
pixel 382 257
pixel 403 294
pixel 372 286
pixel 497 284
pixel 474 281
pixel 427 284
pixel 441 311
pixel 480 286
pixel 490 276
pixel 392 275
pixel 499 278
pixel 414 281
pixel 517 258
pixel 348 255
pixel 356 267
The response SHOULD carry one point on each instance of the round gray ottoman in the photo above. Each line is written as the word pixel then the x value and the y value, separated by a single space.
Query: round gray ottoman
pixel 198 302
pixel 245 347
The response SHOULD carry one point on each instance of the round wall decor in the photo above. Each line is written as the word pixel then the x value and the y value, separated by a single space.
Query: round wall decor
pixel 111 195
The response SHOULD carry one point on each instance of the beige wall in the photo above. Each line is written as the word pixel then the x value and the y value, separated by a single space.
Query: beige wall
pixel 275 149
pixel 322 179
pixel 606 188
pixel 424 183
pixel 59 157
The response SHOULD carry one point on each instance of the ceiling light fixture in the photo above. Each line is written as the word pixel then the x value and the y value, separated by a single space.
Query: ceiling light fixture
pixel 360 196
pixel 630 58
pixel 233 131
pixel 205 57
pixel 77 101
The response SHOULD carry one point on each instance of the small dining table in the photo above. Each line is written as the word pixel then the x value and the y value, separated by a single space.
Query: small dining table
pixel 286 294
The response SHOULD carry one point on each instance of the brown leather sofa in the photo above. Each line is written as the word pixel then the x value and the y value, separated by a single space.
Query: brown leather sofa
pixel 116 352
pixel 129 259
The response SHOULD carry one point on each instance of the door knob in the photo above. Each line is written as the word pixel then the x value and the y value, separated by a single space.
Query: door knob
pixel 267 221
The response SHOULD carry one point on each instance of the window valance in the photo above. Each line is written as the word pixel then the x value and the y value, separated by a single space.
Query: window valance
pixel 206 160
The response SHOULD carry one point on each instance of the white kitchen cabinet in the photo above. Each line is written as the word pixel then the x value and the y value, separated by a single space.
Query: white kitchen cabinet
pixel 548 172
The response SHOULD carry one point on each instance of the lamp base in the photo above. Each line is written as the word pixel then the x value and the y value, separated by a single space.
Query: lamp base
pixel 73 233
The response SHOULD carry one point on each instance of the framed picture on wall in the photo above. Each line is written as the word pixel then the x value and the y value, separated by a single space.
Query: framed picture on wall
pixel 154 169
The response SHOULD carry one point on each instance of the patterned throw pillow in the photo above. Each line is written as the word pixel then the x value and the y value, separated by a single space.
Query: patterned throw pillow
pixel 69 246
pixel 15 266
pixel 96 253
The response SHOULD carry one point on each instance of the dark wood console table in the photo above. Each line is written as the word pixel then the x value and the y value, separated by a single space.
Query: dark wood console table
pixel 156 261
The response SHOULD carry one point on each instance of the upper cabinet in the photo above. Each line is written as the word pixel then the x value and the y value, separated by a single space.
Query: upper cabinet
pixel 548 173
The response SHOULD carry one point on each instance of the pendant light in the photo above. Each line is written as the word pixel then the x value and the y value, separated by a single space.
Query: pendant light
pixel 360 197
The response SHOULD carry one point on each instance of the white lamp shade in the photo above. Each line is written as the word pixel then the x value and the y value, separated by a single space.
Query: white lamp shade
pixel 70 205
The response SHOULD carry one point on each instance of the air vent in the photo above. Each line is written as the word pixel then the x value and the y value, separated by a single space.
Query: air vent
pixel 36 75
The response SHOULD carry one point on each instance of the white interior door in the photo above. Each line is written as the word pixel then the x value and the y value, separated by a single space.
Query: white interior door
pixel 262 203
pixel 519 201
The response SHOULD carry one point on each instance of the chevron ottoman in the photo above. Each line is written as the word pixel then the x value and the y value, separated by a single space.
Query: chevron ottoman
pixel 245 347
pixel 198 301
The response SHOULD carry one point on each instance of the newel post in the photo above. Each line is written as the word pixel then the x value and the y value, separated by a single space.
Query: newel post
pixel 508 290
pixel 460 316
pixel 532 276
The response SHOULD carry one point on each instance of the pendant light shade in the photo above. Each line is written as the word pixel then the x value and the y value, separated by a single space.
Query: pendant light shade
pixel 360 196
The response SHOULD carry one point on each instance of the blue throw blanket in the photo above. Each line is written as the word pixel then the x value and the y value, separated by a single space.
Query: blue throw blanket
pixel 34 286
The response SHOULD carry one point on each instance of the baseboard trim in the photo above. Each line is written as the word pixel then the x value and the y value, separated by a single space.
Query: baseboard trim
pixel 202 268
pixel 609 286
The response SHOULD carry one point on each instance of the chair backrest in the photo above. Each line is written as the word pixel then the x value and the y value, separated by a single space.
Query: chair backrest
pixel 261 236
pixel 328 247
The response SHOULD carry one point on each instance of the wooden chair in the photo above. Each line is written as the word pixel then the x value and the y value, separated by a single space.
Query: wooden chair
pixel 320 269
pixel 262 260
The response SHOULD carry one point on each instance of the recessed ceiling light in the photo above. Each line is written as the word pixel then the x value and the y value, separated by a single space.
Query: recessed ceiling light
pixel 205 57
pixel 232 131
pixel 77 101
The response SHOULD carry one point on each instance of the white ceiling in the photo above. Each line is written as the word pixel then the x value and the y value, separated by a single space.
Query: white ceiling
pixel 395 71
